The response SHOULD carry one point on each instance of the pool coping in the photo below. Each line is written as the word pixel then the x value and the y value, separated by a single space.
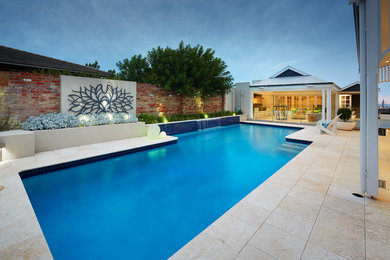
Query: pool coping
pixel 60 166
pixel 17 169
pixel 22 236
pixel 199 247
pixel 220 240
pixel 285 217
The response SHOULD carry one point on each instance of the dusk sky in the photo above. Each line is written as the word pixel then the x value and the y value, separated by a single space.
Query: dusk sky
pixel 255 38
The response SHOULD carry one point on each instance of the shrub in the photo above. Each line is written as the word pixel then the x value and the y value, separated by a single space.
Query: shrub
pixel 346 114
pixel 154 119
pixel 105 119
pixel 50 121
pixel 7 123
pixel 148 118
pixel 56 121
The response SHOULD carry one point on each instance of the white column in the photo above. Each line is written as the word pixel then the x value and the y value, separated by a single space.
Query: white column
pixel 300 102
pixel 336 102
pixel 323 106
pixel 372 52
pixel 251 105
pixel 328 105
pixel 292 101
pixel 315 101
pixel 307 102
pixel 363 100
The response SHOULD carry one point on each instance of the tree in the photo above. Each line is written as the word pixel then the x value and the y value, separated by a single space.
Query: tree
pixel 94 65
pixel 188 71
pixel 137 69
pixel 113 75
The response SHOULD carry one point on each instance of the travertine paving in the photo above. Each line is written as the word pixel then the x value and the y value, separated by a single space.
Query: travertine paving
pixel 20 234
pixel 306 210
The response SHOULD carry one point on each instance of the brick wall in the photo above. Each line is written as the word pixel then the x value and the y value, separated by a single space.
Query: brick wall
pixel 152 99
pixel 27 94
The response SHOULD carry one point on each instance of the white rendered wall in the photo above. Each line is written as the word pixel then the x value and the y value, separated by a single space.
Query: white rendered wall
pixel 229 100
pixel 18 144
pixel 243 97
pixel 69 84
pixel 47 140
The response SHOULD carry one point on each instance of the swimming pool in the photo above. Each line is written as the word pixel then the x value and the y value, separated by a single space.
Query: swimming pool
pixel 149 204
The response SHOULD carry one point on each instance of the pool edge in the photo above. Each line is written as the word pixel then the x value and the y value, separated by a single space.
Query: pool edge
pixel 64 165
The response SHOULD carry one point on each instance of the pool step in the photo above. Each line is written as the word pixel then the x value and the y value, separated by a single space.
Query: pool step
pixel 290 147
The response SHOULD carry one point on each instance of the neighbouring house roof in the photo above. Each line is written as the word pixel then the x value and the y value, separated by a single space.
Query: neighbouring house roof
pixel 13 58
pixel 290 76
pixel 353 87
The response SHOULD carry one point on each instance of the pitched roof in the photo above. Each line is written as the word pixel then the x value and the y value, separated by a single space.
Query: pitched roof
pixel 353 87
pixel 290 76
pixel 14 57
pixel 289 71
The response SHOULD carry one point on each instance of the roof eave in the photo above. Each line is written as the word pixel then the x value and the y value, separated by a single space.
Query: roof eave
pixel 98 72
pixel 295 84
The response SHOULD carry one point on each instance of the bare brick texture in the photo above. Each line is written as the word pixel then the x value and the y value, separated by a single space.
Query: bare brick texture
pixel 153 99
pixel 27 94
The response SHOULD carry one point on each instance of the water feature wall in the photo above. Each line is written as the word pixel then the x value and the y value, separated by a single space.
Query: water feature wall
pixel 195 125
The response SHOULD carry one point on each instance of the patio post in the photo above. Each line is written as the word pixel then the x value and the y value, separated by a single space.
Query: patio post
pixel 369 25
pixel 323 106
pixel 251 105
pixel 372 53
pixel 328 105
pixel 307 102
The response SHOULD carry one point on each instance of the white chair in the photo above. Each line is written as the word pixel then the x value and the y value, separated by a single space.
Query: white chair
pixel 330 127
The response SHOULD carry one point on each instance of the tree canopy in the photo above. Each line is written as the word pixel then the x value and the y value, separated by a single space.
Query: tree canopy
pixel 136 69
pixel 189 71
pixel 94 65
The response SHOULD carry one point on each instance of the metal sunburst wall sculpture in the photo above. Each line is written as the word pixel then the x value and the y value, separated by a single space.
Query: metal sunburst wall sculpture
pixel 100 99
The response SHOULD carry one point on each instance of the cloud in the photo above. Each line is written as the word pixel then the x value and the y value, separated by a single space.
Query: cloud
pixel 255 38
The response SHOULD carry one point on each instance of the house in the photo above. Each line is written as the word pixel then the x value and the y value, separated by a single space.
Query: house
pixel 22 61
pixel 289 95
pixel 350 97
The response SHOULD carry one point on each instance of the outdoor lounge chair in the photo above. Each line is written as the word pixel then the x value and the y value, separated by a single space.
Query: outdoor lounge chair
pixel 330 127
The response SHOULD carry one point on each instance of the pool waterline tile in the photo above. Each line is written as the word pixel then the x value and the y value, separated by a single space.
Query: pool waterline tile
pixel 307 196
pixel 21 235
pixel 206 246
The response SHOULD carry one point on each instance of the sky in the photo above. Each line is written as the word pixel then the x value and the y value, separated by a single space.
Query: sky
pixel 256 38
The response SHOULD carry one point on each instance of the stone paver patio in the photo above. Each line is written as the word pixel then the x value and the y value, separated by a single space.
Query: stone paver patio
pixel 306 210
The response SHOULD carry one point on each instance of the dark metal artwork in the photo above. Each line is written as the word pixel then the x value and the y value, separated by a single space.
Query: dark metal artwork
pixel 100 99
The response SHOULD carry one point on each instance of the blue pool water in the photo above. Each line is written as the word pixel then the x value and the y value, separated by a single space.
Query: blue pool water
pixel 149 204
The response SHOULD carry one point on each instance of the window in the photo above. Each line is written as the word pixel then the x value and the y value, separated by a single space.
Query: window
pixel 345 101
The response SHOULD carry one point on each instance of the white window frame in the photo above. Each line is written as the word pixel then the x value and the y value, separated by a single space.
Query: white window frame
pixel 343 98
